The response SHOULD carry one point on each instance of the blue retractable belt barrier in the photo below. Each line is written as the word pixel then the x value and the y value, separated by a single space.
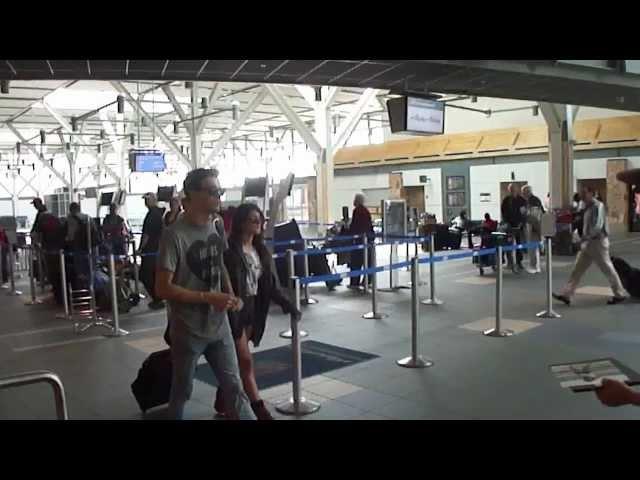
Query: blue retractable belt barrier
pixel 394 266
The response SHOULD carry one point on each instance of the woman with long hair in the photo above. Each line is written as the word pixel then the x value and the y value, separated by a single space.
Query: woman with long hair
pixel 252 276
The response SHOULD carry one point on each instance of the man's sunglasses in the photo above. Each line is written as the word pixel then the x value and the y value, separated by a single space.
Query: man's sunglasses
pixel 213 192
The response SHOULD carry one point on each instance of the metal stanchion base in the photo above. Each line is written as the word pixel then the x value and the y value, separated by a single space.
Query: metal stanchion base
pixel 492 332
pixel 116 333
pixel 309 301
pixel 304 407
pixel 5 287
pixel 77 328
pixel 421 283
pixel 375 316
pixel 393 289
pixel 61 316
pixel 289 334
pixel 418 362
pixel 14 293
pixel 431 301
pixel 548 314
pixel 34 302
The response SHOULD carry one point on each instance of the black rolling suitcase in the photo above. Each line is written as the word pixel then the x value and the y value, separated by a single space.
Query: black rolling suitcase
pixel 153 384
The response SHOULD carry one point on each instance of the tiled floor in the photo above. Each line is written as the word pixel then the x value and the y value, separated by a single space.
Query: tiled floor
pixel 473 377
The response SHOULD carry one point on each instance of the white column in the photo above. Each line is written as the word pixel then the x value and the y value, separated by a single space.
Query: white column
pixel 193 130
pixel 559 120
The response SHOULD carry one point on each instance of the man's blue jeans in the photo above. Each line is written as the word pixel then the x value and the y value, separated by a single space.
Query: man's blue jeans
pixel 220 353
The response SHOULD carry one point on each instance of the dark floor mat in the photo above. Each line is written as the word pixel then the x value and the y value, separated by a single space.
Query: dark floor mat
pixel 273 367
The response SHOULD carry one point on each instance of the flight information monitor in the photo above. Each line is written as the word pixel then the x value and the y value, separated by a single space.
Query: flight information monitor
pixel 147 161
pixel 416 116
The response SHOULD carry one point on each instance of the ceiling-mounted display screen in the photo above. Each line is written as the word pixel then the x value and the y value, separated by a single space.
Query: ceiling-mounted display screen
pixel 147 161
pixel 416 116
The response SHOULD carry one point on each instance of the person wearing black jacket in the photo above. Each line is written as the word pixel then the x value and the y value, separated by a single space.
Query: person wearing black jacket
pixel 252 276
pixel 513 213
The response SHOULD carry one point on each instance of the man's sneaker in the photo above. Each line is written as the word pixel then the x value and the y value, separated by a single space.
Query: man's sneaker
pixel 532 271
pixel 563 298
pixel 218 404
pixel 614 300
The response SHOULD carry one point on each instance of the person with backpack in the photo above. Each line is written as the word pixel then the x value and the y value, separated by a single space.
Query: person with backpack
pixel 77 240
pixel 115 231
pixel 47 234
pixel 594 248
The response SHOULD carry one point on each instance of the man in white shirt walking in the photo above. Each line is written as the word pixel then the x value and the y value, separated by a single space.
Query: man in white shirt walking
pixel 594 247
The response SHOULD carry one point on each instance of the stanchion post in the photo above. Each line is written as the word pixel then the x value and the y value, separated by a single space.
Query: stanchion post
pixel 12 267
pixel 374 314
pixel 415 360
pixel 116 330
pixel 549 313
pixel 497 331
pixel 297 404
pixel 41 273
pixel 291 273
pixel 307 300
pixel 63 279
pixel 433 300
pixel 32 282
pixel 365 262
pixel 136 276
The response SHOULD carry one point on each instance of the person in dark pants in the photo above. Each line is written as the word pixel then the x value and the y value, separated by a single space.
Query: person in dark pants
pixel 4 245
pixel 149 245
pixel 513 213
pixel 361 224
pixel 48 235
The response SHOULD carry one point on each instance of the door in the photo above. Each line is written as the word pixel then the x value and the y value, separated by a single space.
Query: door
pixel 415 197
pixel 599 185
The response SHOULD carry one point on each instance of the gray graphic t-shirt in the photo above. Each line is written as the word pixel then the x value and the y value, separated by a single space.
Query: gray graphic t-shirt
pixel 194 255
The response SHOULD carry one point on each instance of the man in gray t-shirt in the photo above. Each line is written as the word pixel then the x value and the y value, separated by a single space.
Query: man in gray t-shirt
pixel 191 276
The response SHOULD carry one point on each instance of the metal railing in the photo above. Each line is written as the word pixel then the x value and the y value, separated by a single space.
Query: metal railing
pixel 40 376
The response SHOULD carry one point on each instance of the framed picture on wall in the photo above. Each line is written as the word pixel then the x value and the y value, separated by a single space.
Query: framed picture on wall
pixel 455 183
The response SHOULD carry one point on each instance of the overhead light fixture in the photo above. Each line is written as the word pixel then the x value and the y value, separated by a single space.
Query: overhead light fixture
pixel 536 110
pixel 99 148
pixel 204 103
pixel 271 132
pixel 43 137
pixel 318 91
pixel 176 127
pixel 120 101
pixel 17 147
pixel 74 124
pixel 234 111
pixel 67 146
pixel 132 138
pixel 181 148
pixel 474 99
pixel 188 85
pixel 488 113
pixel 33 167
pixel 4 86
pixel 143 121
pixel 103 134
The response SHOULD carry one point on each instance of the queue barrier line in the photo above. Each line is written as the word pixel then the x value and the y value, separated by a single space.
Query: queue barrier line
pixel 425 260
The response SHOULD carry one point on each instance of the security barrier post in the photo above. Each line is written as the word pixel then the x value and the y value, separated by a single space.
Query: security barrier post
pixel 549 313
pixel 297 404
pixel 496 331
pixel 12 267
pixel 415 360
pixel 63 280
pixel 32 282
pixel 307 300
pixel 365 262
pixel 433 300
pixel 374 314
pixel 291 273
pixel 116 330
